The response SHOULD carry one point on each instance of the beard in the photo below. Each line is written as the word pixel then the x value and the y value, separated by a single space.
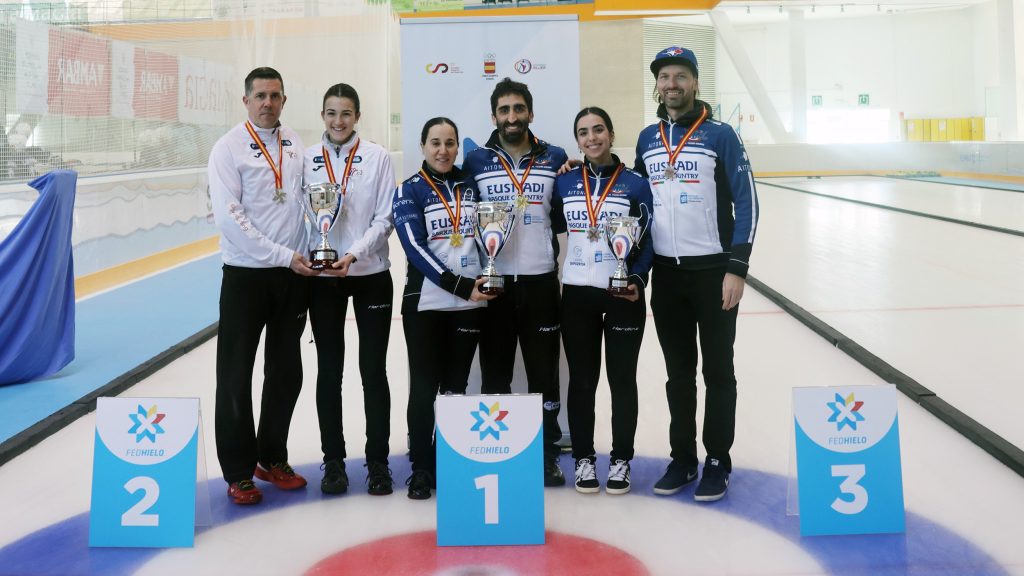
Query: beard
pixel 513 137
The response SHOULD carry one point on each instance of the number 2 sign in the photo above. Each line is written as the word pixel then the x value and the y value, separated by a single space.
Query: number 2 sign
pixel 490 480
pixel 144 472
pixel 848 460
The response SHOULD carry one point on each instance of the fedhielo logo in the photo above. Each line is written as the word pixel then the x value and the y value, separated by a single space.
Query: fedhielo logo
pixel 440 68
pixel 523 66
pixel 846 412
pixel 147 423
pixel 489 421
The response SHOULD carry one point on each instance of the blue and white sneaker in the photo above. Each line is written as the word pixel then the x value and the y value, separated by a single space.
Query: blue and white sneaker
pixel 713 483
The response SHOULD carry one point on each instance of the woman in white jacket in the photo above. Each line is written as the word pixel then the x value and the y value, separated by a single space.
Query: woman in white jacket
pixel 362 273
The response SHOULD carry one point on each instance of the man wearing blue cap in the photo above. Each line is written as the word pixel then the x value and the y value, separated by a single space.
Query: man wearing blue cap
pixel 705 217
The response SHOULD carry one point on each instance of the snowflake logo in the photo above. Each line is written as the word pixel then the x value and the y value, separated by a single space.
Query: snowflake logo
pixel 845 412
pixel 147 423
pixel 489 421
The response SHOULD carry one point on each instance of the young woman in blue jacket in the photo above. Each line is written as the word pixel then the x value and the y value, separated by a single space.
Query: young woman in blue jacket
pixel 585 198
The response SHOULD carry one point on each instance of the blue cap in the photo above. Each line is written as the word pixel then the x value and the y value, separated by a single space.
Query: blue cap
pixel 674 55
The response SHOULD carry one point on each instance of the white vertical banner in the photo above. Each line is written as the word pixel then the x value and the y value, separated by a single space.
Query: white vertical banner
pixel 450 67
pixel 203 91
pixel 122 79
pixel 32 46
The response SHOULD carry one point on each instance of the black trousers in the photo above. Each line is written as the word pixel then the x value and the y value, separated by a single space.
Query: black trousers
pixel 588 315
pixel 527 313
pixel 371 297
pixel 441 346
pixel 251 299
pixel 687 303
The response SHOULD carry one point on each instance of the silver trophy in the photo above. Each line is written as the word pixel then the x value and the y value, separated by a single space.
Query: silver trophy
pixel 494 224
pixel 323 203
pixel 622 234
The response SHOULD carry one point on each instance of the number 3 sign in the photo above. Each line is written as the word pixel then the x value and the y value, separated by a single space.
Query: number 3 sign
pixel 144 472
pixel 848 460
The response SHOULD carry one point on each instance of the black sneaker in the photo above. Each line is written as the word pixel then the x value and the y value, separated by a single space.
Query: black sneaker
pixel 378 479
pixel 553 475
pixel 335 479
pixel 675 478
pixel 586 476
pixel 419 484
pixel 618 477
pixel 713 483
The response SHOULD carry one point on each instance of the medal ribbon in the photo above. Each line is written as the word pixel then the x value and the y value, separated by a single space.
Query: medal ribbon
pixel 672 154
pixel 512 176
pixel 275 168
pixel 456 198
pixel 348 166
pixel 594 211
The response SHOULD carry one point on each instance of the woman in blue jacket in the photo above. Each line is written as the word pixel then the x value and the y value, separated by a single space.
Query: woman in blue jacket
pixel 585 198
pixel 433 212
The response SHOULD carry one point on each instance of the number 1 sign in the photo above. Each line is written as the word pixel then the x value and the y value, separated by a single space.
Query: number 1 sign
pixel 490 479
pixel 848 460
pixel 144 472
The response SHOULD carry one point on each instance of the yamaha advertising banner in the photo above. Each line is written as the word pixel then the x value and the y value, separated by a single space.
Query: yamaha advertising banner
pixel 450 67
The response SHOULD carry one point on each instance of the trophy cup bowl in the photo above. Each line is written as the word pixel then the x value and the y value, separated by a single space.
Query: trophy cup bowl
pixel 322 202
pixel 494 222
pixel 622 234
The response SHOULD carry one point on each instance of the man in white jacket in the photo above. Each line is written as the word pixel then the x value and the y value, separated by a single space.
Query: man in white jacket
pixel 255 174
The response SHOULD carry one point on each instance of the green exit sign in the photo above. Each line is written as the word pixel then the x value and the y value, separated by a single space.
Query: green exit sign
pixel 864 99
pixel 815 100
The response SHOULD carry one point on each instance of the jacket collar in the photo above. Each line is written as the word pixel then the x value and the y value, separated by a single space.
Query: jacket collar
pixel 537 146
pixel 455 176
pixel 686 119
pixel 340 149
pixel 602 171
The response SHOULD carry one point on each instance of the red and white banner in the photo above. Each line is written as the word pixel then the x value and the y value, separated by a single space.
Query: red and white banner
pixel 204 92
pixel 79 74
pixel 155 93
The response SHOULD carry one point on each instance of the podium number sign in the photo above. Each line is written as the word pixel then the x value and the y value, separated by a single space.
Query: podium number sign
pixel 144 472
pixel 848 460
pixel 490 481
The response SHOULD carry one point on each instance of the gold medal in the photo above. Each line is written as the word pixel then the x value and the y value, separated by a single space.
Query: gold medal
pixel 455 240
pixel 522 202
pixel 594 233
pixel 279 195
pixel 670 172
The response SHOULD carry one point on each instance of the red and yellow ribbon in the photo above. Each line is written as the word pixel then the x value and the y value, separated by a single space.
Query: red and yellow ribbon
pixel 275 168
pixel 348 166
pixel 512 175
pixel 456 237
pixel 672 154
pixel 593 211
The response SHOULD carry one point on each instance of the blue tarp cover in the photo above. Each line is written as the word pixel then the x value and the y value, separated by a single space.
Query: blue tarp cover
pixel 37 285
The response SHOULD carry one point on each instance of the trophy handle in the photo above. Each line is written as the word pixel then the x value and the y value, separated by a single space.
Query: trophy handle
pixel 647 226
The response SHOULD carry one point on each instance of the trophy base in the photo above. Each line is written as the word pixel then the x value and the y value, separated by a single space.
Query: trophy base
pixel 493 286
pixel 620 287
pixel 323 258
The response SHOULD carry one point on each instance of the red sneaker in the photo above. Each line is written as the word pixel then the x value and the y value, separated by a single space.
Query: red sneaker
pixel 244 493
pixel 281 475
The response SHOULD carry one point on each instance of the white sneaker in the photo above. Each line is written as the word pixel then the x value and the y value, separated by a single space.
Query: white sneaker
pixel 586 476
pixel 618 477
